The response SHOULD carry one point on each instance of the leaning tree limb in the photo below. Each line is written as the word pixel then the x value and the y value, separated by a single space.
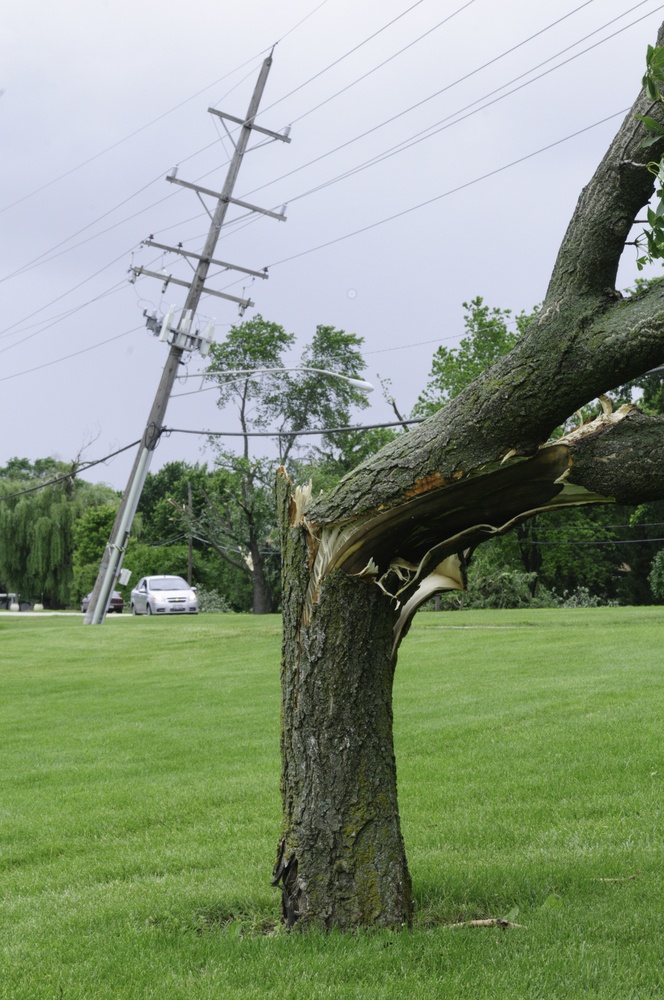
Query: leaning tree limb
pixel 359 561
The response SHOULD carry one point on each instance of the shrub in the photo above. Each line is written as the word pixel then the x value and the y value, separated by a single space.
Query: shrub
pixel 211 602
pixel 656 576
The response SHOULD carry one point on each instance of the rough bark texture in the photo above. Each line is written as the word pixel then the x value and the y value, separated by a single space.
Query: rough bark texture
pixel 341 857
pixel 359 561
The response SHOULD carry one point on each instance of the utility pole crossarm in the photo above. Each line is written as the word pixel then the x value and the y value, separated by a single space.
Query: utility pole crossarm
pixel 198 256
pixel 282 136
pixel 222 197
pixel 254 208
pixel 169 279
pixel 192 187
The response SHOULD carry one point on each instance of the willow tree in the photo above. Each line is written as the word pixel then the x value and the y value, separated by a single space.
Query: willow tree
pixel 360 560
pixel 37 523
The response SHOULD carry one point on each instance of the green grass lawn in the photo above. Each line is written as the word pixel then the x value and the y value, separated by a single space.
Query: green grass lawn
pixel 139 811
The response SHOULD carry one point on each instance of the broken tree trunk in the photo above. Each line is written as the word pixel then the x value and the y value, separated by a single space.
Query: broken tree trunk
pixel 359 561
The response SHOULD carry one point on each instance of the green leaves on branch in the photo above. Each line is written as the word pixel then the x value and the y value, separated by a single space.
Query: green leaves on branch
pixel 653 78
pixel 652 239
pixel 490 333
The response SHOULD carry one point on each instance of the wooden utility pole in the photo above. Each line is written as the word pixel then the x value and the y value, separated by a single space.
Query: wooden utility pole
pixel 181 339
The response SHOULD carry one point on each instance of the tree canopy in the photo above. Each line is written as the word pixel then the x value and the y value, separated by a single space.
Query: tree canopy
pixel 37 526
pixel 235 507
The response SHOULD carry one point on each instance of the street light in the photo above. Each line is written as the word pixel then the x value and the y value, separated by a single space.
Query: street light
pixel 356 383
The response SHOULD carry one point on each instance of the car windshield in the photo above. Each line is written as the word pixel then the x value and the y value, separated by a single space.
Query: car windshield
pixel 168 583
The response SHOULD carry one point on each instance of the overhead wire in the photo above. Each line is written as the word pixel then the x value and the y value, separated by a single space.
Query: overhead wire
pixel 252 60
pixel 445 123
pixel 45 325
pixel 69 475
pixel 446 194
pixel 456 82
pixel 336 62
pixel 300 22
pixel 424 35
pixel 412 208
pixel 49 255
pixel 10 330
pixel 389 59
pixel 372 161
pixel 37 260
pixel 74 354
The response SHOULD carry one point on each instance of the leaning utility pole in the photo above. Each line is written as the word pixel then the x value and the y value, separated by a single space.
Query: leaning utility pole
pixel 180 338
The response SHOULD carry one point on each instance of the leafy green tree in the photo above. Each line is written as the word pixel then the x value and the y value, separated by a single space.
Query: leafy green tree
pixel 91 534
pixel 236 511
pixel 488 337
pixel 585 555
pixel 656 576
pixel 37 526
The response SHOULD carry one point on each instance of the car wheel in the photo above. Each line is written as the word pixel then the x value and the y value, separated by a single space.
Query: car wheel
pixel 133 609
pixel 148 608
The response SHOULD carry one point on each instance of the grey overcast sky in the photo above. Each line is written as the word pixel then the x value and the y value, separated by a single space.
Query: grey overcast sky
pixel 102 97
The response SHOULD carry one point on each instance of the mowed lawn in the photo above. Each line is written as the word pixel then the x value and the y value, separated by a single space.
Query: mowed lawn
pixel 139 811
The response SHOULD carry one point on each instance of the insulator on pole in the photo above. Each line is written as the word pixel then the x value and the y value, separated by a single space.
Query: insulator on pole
pixel 166 325
pixel 206 339
pixel 185 324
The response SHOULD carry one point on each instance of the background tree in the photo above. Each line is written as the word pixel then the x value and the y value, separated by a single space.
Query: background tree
pixel 581 557
pixel 236 509
pixel 91 533
pixel 490 333
pixel 37 524
pixel 360 560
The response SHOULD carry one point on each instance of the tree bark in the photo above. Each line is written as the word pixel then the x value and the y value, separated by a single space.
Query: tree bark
pixel 359 561
pixel 341 856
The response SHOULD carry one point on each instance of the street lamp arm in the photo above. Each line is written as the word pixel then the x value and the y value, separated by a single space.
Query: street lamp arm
pixel 357 383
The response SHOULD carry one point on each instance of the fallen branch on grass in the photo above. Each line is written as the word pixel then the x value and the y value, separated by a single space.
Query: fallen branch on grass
pixel 489 922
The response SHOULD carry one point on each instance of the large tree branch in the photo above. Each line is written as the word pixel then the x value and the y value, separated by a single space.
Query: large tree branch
pixel 589 255
pixel 570 355
pixel 585 341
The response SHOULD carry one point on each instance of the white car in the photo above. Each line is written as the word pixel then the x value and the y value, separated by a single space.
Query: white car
pixel 163 595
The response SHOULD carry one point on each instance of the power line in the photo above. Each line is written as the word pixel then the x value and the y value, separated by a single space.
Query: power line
pixel 46 324
pixel 290 433
pixel 371 162
pixel 606 527
pixel 400 147
pixel 63 295
pixel 437 93
pixel 457 115
pixel 75 354
pixel 342 57
pixel 614 541
pixel 130 135
pixel 446 194
pixel 252 59
pixel 296 26
pixel 440 23
pixel 445 122
pixel 69 475
pixel 36 260
pixel 394 55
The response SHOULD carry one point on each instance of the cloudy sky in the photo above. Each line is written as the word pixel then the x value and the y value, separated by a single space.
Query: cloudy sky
pixel 438 149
